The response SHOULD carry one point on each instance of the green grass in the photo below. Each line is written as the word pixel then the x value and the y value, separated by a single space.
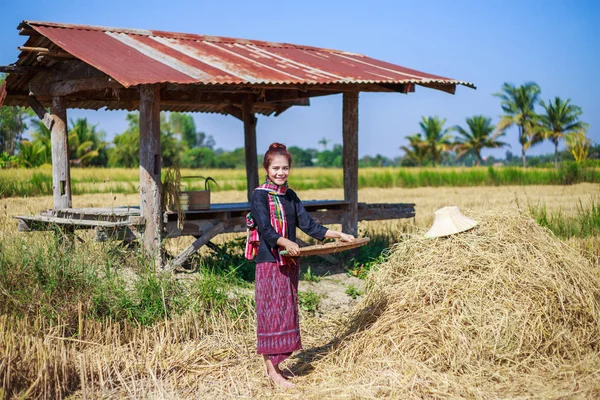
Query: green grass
pixel 38 181
pixel 309 276
pixel 586 222
pixel 353 292
pixel 309 301
pixel 370 256
pixel 50 276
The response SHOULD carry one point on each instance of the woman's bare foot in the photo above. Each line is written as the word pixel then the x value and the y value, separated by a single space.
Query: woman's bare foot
pixel 280 380
pixel 274 373
pixel 286 375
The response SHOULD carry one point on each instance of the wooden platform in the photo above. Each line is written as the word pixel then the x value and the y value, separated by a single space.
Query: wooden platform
pixel 125 223
pixel 231 214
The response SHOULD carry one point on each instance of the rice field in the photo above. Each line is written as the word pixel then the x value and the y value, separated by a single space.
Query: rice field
pixel 508 310
pixel 38 181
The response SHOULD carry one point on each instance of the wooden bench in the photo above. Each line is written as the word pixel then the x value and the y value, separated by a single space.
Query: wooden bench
pixel 125 223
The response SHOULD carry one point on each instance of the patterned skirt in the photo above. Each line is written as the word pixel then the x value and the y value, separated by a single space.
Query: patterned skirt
pixel 278 329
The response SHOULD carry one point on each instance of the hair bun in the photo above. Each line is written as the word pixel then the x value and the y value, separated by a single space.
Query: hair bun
pixel 277 146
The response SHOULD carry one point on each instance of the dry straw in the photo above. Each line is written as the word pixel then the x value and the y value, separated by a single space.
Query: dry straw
pixel 505 310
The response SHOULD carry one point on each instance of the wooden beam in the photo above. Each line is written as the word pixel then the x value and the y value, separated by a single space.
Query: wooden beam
pixel 45 52
pixel 150 166
pixel 41 112
pixel 234 111
pixel 250 142
pixel 191 249
pixel 65 88
pixel 18 69
pixel 350 161
pixel 61 170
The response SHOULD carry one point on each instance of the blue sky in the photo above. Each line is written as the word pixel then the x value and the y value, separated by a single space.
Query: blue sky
pixel 554 43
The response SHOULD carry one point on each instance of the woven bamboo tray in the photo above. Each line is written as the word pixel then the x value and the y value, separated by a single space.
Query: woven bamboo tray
pixel 327 248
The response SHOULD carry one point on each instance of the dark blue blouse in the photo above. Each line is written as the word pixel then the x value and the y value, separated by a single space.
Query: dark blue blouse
pixel 295 214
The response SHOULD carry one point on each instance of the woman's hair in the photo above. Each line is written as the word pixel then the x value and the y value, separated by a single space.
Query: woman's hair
pixel 276 149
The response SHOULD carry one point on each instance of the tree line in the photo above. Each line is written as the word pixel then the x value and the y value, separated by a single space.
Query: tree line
pixel 558 121
pixel 183 145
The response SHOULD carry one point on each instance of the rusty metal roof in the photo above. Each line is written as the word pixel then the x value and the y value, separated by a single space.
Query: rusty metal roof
pixel 132 57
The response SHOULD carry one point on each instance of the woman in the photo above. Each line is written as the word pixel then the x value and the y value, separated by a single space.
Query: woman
pixel 276 211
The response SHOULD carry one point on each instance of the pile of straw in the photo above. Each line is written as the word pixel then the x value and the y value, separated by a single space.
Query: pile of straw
pixel 504 310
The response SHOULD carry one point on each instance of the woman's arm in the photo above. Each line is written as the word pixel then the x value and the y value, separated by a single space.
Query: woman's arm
pixel 344 237
pixel 311 228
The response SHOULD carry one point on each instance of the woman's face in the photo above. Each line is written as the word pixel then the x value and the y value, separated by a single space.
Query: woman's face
pixel 278 170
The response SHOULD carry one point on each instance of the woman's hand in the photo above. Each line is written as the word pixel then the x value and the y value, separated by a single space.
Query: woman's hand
pixel 292 248
pixel 344 237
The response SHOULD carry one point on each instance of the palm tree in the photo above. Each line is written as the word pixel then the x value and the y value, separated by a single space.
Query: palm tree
pixel 479 136
pixel 437 139
pixel 416 150
pixel 561 119
pixel 518 105
pixel 323 142
pixel 32 154
pixel 85 143
pixel 42 142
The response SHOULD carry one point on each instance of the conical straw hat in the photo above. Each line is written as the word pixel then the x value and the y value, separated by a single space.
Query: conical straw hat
pixel 448 221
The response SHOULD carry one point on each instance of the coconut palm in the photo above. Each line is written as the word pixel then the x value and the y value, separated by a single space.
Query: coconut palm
pixel 85 144
pixel 480 135
pixel 42 142
pixel 416 150
pixel 561 119
pixel 323 142
pixel 518 105
pixel 437 138
pixel 32 154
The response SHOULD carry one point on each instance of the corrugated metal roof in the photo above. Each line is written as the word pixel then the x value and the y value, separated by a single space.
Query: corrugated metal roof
pixel 186 58
pixel 208 63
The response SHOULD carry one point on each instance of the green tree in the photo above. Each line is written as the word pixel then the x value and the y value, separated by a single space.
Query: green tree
pixel 126 150
pixel 377 161
pixel 171 147
pixel 518 104
pixel 437 139
pixel 561 119
pixel 330 158
pixel 416 149
pixel 480 135
pixel 323 142
pixel 302 157
pixel 42 141
pixel 32 153
pixel 86 146
pixel 198 157
pixel 184 125
pixel 13 124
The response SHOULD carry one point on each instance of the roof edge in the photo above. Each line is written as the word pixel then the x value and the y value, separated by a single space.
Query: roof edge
pixel 179 35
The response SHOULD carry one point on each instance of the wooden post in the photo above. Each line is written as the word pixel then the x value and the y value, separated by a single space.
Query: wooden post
pixel 61 172
pixel 150 163
pixel 350 161
pixel 250 142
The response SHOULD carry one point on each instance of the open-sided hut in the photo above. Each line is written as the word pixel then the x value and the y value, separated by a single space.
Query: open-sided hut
pixel 65 66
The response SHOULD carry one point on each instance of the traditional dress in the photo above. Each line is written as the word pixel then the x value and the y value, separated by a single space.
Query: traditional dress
pixel 276 211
